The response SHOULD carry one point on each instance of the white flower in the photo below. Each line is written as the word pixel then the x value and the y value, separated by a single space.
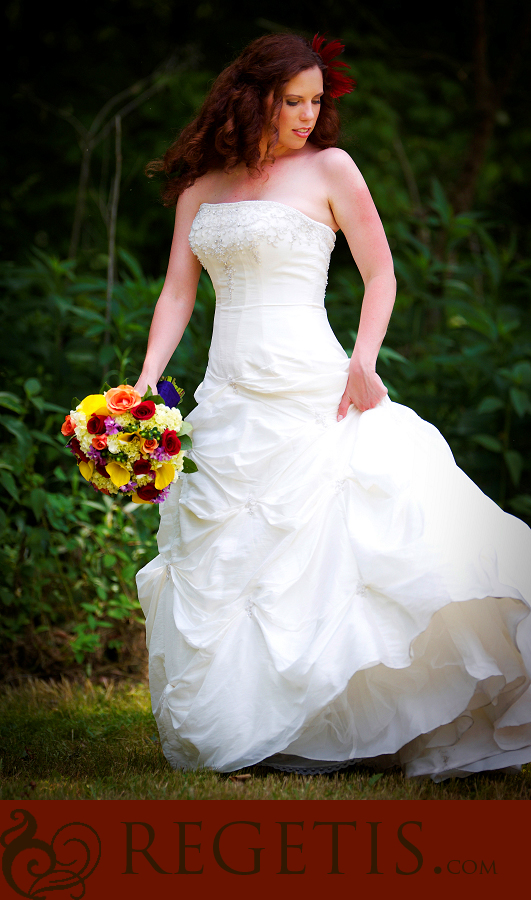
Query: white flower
pixel 167 418
pixel 126 421
pixel 114 445
pixel 85 441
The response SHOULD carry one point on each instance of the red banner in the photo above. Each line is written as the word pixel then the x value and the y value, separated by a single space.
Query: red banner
pixel 143 849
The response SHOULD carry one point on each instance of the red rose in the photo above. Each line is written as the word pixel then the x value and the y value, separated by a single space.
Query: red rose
pixel 147 492
pixel 101 470
pixel 170 442
pixel 145 410
pixel 76 447
pixel 96 425
pixel 142 467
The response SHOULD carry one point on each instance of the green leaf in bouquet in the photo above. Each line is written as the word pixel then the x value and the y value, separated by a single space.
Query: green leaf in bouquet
pixel 186 442
pixel 189 466
pixel 149 395
pixel 75 402
pixel 186 428
pixel 105 387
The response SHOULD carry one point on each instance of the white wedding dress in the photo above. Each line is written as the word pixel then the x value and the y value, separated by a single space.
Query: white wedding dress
pixel 325 592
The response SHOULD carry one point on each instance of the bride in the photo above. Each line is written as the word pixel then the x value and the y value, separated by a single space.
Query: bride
pixel 330 587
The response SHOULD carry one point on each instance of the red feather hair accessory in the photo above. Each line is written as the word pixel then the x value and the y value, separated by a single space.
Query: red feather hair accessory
pixel 339 82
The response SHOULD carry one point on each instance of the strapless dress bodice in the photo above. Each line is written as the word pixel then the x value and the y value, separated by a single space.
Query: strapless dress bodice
pixel 269 264
pixel 262 251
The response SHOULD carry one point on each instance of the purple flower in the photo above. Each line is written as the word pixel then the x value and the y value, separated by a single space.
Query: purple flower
pixel 162 496
pixel 111 425
pixel 94 454
pixel 170 393
pixel 160 455
pixel 125 488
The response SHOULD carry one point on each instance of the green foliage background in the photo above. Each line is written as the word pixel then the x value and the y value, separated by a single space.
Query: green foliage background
pixel 458 350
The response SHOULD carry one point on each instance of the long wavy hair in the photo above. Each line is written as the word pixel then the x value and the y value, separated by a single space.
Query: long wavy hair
pixel 230 124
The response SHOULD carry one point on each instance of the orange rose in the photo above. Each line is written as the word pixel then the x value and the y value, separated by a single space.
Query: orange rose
pixel 121 399
pixel 99 442
pixel 148 445
pixel 68 427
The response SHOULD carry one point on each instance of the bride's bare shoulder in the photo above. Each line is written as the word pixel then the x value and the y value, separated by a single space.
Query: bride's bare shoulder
pixel 337 165
pixel 201 191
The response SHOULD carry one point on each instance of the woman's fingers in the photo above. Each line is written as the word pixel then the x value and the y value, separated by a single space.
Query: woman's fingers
pixel 343 406
pixel 363 393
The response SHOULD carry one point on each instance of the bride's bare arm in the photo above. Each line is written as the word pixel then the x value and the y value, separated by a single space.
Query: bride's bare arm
pixel 357 217
pixel 176 302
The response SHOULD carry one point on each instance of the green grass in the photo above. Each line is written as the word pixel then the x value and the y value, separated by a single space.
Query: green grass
pixel 71 741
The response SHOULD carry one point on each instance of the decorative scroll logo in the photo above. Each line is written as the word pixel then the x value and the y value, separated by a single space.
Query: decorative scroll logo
pixel 34 868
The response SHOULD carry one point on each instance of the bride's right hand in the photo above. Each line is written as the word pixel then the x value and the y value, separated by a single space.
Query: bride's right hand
pixel 142 385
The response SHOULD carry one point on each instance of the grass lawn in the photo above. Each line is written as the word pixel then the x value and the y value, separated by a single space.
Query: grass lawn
pixel 72 741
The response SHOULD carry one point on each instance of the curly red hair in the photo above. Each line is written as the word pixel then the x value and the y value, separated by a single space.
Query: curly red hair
pixel 230 124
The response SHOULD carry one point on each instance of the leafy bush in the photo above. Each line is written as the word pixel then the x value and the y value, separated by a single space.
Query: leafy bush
pixel 69 555
pixel 458 352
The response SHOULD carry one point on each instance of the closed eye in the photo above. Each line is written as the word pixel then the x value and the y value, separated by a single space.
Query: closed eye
pixel 295 102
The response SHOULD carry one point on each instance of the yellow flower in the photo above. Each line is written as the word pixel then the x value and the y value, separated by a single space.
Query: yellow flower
pixel 86 469
pixel 94 404
pixel 164 476
pixel 127 436
pixel 119 475
pixel 136 499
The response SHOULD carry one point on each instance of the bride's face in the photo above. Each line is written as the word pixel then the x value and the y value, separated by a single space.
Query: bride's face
pixel 301 103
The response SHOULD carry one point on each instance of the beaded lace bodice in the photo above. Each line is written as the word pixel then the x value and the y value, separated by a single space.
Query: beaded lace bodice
pixel 269 265
pixel 254 243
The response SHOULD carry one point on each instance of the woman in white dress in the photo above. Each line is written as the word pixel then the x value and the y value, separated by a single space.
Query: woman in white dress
pixel 330 587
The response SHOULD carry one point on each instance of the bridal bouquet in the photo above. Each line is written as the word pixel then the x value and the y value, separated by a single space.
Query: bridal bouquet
pixel 128 444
